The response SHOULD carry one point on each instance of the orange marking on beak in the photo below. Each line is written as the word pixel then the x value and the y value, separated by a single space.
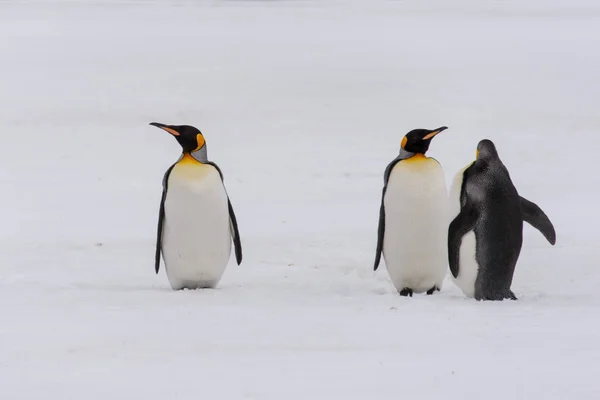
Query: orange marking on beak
pixel 432 134
pixel 171 131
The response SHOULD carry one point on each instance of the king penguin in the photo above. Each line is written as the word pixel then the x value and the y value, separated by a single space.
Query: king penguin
pixel 196 222
pixel 486 234
pixel 413 217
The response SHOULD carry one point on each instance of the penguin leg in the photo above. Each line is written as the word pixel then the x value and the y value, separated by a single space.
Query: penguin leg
pixel 497 296
pixel 509 295
pixel 406 292
pixel 433 289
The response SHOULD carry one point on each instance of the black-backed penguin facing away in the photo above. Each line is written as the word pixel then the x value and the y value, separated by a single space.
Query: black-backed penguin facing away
pixel 196 222
pixel 413 219
pixel 486 234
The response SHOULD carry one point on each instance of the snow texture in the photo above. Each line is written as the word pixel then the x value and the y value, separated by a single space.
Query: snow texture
pixel 302 104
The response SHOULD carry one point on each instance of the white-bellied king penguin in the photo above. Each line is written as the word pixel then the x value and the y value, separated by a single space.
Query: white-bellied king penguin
pixel 485 237
pixel 413 219
pixel 196 222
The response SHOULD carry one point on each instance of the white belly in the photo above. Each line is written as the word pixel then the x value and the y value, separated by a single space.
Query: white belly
pixel 467 264
pixel 196 238
pixel 415 241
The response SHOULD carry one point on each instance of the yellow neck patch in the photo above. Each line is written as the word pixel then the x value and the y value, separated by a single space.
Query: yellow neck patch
pixel 188 159
pixel 417 157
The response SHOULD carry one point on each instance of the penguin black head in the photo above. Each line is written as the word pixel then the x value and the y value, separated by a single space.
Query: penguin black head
pixel 190 138
pixel 486 150
pixel 418 140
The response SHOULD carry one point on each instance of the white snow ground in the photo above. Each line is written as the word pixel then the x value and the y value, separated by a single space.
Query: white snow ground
pixel 302 105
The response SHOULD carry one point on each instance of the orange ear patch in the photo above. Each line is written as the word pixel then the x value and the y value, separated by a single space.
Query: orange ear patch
pixel 403 143
pixel 200 141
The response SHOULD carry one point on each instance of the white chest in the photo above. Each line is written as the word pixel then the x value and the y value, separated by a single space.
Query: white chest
pixel 468 266
pixel 415 248
pixel 196 236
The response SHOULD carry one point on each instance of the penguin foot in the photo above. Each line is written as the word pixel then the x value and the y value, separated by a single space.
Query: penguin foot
pixel 432 290
pixel 509 295
pixel 406 292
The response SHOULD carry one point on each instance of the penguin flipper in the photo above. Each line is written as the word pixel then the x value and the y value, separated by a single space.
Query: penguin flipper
pixel 161 218
pixel 380 232
pixel 381 226
pixel 235 233
pixel 534 216
pixel 233 225
pixel 460 226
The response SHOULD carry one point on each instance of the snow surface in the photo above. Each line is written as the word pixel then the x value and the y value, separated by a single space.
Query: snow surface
pixel 302 105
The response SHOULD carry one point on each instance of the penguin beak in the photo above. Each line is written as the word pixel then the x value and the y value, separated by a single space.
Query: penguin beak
pixel 165 128
pixel 435 132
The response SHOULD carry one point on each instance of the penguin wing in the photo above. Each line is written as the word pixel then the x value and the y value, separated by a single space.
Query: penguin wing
pixel 380 232
pixel 161 218
pixel 381 226
pixel 460 226
pixel 534 216
pixel 233 225
pixel 235 233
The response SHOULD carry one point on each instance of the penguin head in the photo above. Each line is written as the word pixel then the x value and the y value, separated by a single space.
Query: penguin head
pixel 418 140
pixel 486 150
pixel 190 138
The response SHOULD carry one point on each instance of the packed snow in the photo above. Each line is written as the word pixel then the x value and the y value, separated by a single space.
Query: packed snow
pixel 302 105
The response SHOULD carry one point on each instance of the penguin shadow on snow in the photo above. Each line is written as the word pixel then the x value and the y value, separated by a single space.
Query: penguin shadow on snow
pixel 482 241
pixel 118 287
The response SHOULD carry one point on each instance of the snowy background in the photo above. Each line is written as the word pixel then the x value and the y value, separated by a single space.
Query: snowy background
pixel 302 105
